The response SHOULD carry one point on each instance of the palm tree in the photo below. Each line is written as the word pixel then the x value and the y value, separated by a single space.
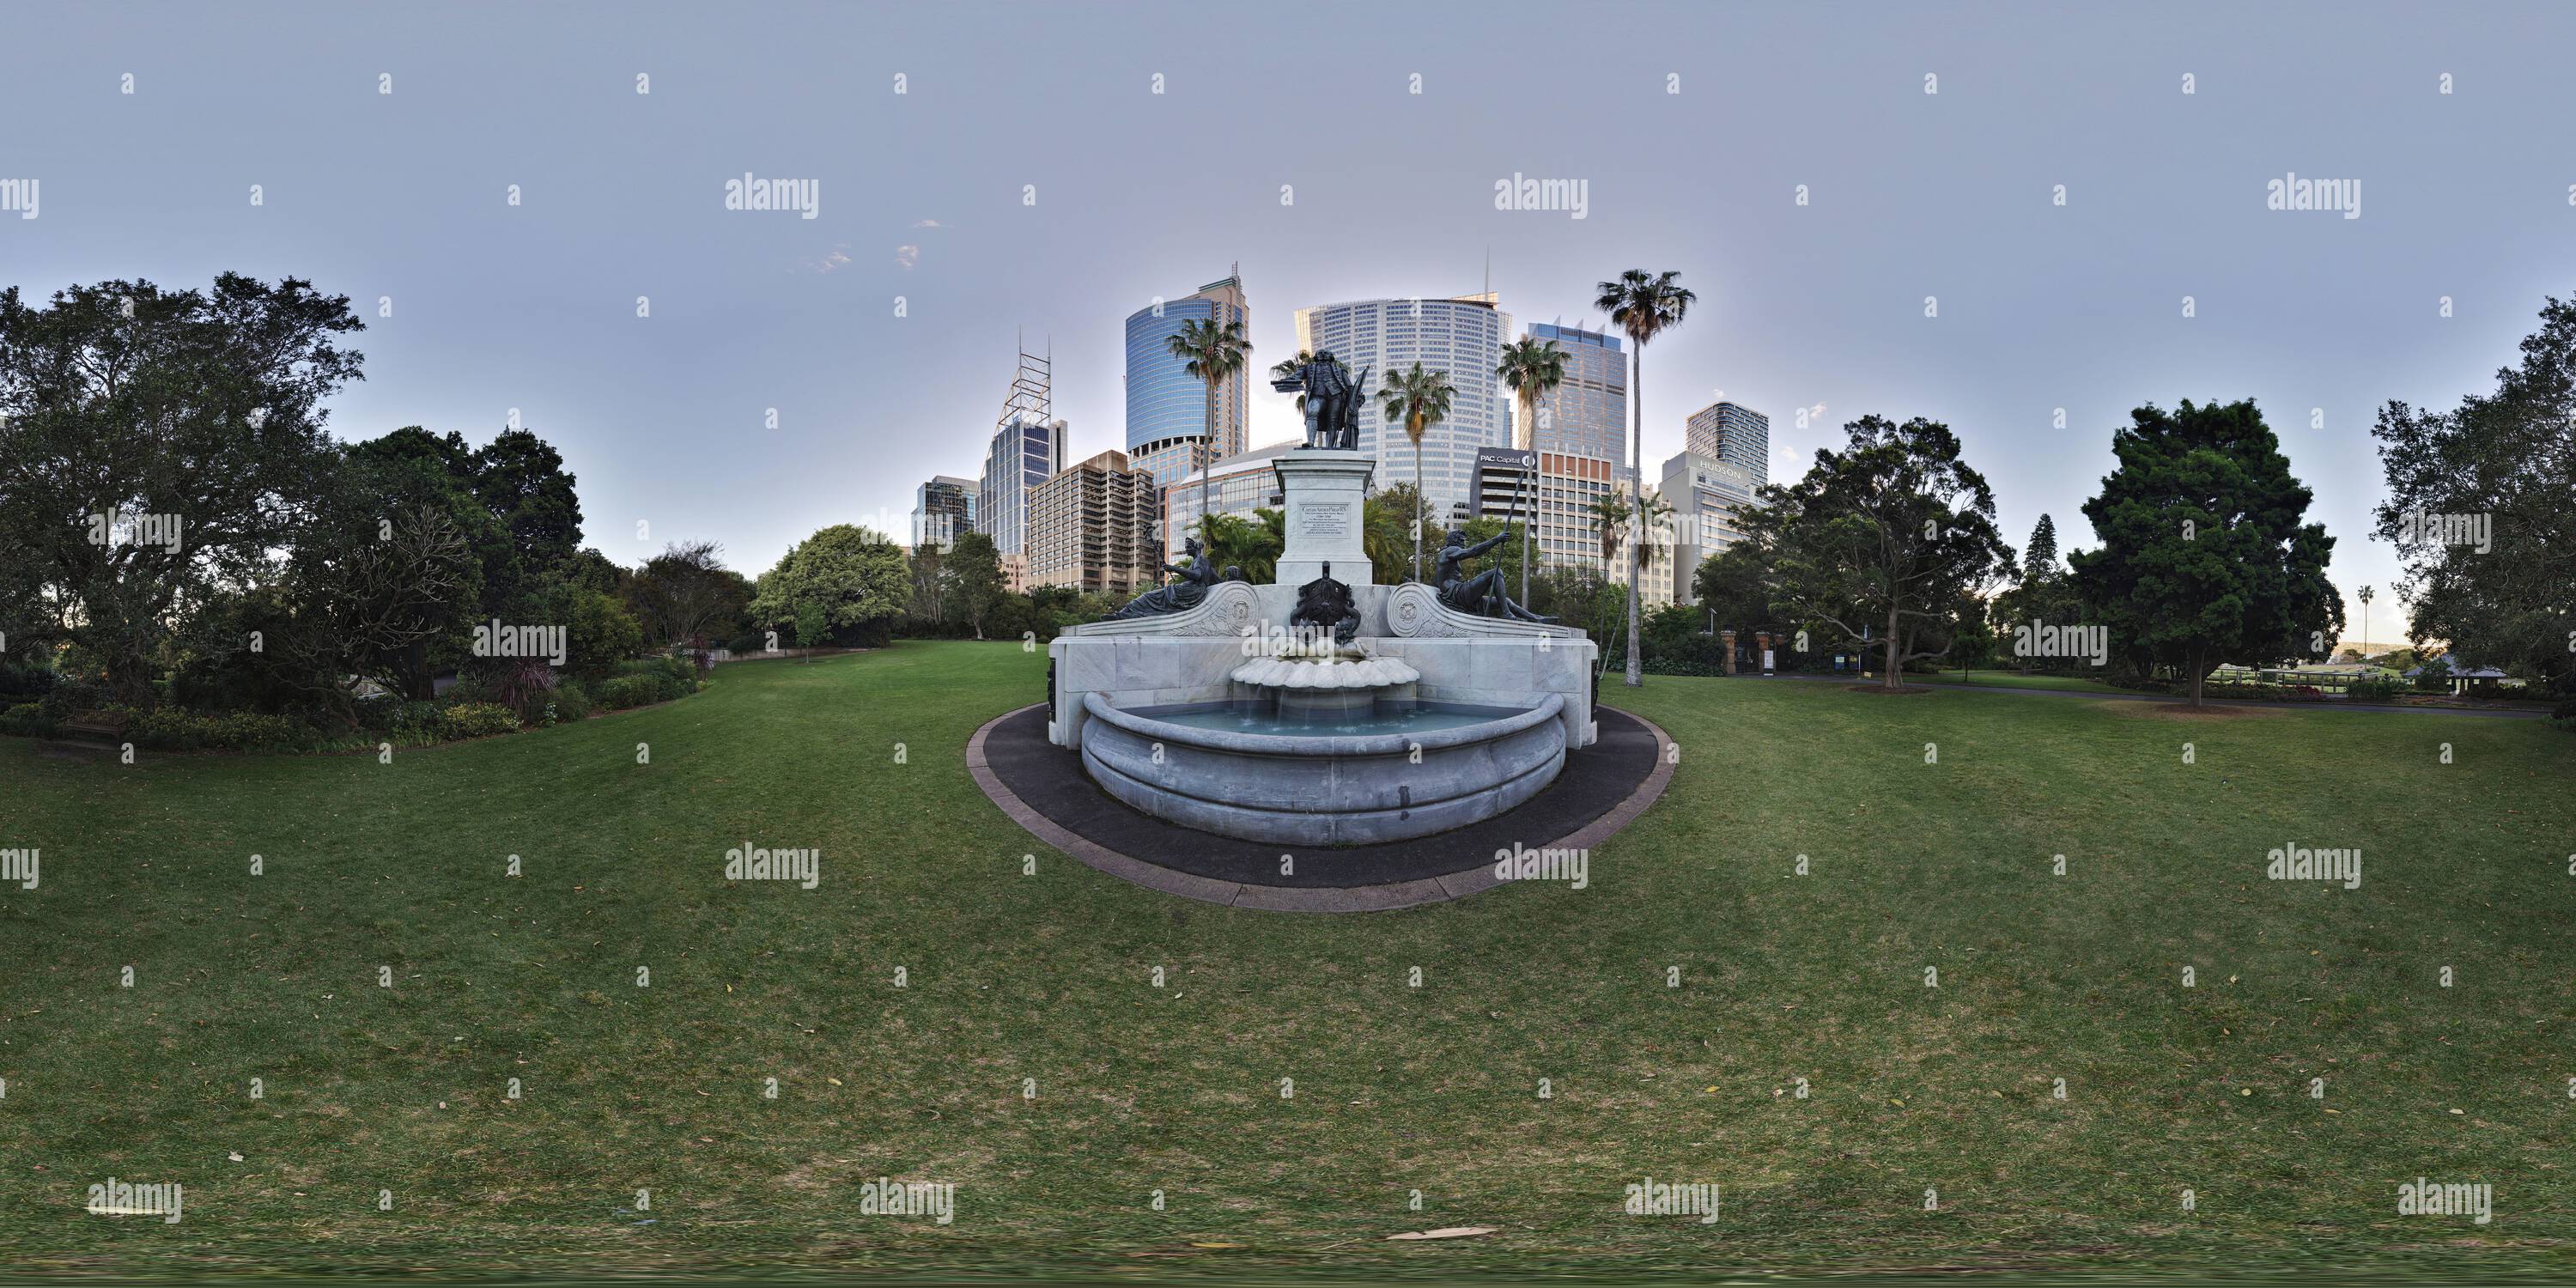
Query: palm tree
pixel 2366 593
pixel 1652 509
pixel 1252 545
pixel 1284 369
pixel 1417 400
pixel 1210 354
pixel 1531 367
pixel 1644 305
pixel 1609 522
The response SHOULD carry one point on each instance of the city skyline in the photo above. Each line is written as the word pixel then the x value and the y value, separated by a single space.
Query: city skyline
pixel 948 197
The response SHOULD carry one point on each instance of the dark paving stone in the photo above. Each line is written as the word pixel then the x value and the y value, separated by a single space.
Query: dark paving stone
pixel 1050 780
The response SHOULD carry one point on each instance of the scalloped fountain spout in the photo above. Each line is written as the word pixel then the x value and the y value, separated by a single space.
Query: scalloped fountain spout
pixel 1327 684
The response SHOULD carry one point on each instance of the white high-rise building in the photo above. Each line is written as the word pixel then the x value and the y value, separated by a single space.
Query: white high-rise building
pixel 1708 496
pixel 1462 336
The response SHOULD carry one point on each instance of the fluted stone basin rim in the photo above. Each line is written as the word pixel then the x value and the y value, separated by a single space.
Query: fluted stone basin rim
pixel 1324 788
pixel 1326 673
pixel 1319 745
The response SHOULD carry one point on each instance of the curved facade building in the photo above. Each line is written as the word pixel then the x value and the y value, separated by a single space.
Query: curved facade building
pixel 1168 433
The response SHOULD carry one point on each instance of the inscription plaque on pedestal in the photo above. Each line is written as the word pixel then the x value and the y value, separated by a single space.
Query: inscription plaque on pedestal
pixel 1325 493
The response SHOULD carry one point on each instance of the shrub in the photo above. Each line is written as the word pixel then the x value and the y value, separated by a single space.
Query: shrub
pixel 636 691
pixel 169 729
pixel 478 720
pixel 423 721
pixel 678 670
pixel 2564 717
pixel 1682 666
pixel 26 683
pixel 474 687
pixel 2375 688
pixel 522 685
pixel 27 720
pixel 599 630
pixel 73 697
pixel 646 680
pixel 568 702
pixel 2263 690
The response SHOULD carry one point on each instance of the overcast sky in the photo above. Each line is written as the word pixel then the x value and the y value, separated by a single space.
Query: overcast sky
pixel 1137 194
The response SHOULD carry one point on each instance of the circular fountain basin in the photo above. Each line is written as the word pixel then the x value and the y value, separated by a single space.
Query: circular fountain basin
pixel 1222 769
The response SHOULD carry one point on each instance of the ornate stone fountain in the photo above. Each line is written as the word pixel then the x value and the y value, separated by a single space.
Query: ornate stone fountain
pixel 1325 709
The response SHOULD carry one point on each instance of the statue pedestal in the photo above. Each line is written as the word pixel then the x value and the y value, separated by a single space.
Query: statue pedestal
pixel 1326 494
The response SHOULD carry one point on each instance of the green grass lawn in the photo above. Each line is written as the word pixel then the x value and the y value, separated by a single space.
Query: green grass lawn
pixel 1047 977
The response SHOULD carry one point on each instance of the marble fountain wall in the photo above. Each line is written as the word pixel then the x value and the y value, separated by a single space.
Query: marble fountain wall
pixel 1190 656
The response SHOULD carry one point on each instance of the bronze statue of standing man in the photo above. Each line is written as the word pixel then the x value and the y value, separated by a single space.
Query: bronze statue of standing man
pixel 1332 401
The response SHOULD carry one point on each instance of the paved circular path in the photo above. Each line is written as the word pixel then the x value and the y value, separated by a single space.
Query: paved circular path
pixel 1043 788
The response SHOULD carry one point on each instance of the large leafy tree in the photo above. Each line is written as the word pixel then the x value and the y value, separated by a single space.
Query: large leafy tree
pixel 2509 459
pixel 1879 540
pixel 1733 587
pixel 391 570
pixel 199 409
pixel 2206 554
pixel 972 570
pixel 854 576
pixel 1645 305
pixel 928 582
pixel 519 482
pixel 1392 521
pixel 686 595
pixel 2045 591
pixel 521 479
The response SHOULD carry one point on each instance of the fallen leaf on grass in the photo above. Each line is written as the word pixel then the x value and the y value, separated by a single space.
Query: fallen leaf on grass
pixel 1444 1232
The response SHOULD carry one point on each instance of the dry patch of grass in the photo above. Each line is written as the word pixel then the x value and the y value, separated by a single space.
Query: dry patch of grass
pixel 2179 714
